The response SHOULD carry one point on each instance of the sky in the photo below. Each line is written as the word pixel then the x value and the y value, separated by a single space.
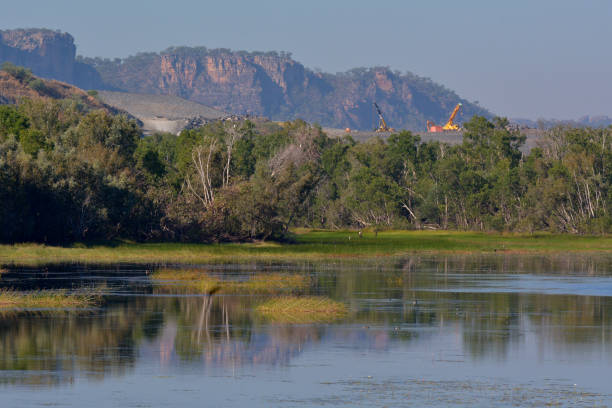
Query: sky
pixel 520 59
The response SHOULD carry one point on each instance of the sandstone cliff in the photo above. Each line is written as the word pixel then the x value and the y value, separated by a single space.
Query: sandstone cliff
pixel 263 84
pixel 275 85
pixel 49 54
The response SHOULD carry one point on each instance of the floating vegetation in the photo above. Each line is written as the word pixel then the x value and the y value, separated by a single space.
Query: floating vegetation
pixel 307 309
pixel 265 283
pixel 45 299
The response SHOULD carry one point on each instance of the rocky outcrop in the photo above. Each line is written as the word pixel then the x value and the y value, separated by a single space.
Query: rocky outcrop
pixel 276 86
pixel 49 54
pixel 259 84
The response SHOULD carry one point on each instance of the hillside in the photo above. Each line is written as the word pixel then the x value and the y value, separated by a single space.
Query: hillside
pixel 18 83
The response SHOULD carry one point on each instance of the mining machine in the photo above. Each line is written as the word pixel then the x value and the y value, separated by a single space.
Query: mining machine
pixel 450 125
pixel 382 124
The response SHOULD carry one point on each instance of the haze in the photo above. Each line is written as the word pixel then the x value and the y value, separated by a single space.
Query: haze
pixel 519 59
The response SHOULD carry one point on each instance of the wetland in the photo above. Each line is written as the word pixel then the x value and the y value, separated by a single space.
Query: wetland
pixel 429 329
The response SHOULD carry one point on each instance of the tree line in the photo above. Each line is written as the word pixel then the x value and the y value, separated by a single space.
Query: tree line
pixel 71 174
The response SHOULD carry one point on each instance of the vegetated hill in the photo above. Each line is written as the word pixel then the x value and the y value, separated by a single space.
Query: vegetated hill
pixel 17 83
pixel 49 54
pixel 161 113
pixel 274 85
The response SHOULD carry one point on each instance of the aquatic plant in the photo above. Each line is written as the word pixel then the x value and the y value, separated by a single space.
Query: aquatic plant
pixel 296 309
pixel 12 299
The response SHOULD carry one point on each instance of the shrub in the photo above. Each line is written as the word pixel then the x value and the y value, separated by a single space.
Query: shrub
pixel 20 73
pixel 38 85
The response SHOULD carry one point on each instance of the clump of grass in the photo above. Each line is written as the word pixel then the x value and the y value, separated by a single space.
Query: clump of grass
pixel 45 299
pixel 267 283
pixel 307 309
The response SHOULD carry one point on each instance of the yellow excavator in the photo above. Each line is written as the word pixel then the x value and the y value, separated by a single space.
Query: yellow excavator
pixel 450 125
pixel 382 124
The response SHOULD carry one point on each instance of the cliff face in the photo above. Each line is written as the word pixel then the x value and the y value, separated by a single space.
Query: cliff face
pixel 49 54
pixel 277 86
pixel 268 84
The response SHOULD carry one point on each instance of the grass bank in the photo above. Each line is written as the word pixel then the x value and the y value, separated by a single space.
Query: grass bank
pixel 311 245
pixel 308 309
pixel 45 299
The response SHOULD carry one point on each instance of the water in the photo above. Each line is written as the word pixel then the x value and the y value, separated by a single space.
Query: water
pixel 421 331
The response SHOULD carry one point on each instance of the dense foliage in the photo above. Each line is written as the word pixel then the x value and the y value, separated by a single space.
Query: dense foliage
pixel 69 175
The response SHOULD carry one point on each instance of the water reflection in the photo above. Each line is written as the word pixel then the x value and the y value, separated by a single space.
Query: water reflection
pixel 484 308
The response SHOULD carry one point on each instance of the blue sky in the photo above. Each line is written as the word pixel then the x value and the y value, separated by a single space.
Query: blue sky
pixel 538 58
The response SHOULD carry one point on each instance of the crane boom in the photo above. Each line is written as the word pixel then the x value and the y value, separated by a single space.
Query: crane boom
pixel 382 124
pixel 450 125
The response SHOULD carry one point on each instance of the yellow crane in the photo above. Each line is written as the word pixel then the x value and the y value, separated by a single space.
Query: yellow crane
pixel 450 125
pixel 382 124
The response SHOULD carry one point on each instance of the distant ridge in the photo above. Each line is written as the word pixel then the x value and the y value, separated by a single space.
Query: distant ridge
pixel 269 84
pixel 599 121
pixel 274 85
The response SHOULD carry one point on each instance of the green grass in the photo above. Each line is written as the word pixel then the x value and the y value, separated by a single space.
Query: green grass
pixel 45 299
pixel 311 245
pixel 195 279
pixel 308 309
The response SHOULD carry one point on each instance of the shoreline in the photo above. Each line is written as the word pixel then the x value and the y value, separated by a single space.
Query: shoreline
pixel 312 245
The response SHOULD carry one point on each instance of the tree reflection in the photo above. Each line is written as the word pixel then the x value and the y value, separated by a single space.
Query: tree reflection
pixel 487 300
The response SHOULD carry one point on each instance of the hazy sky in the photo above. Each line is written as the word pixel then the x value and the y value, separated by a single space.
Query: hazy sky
pixel 537 58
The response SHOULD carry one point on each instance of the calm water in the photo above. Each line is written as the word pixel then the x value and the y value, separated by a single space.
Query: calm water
pixel 421 331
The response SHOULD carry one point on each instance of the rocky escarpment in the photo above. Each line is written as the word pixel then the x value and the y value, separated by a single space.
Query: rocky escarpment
pixel 274 85
pixel 49 54
pixel 259 84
